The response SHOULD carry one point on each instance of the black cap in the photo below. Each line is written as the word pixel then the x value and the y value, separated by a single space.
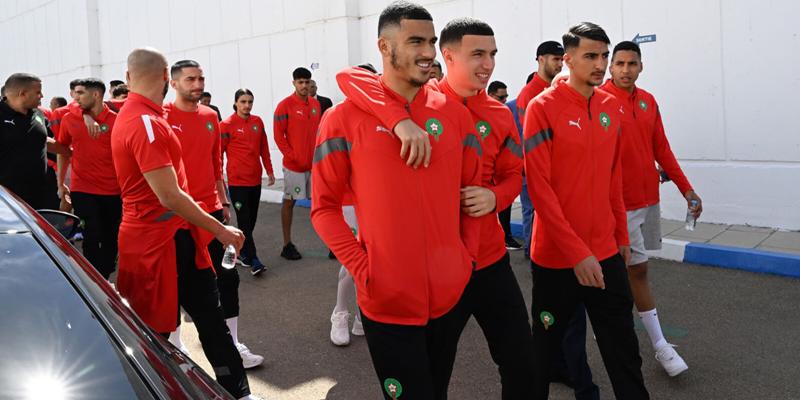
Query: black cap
pixel 550 47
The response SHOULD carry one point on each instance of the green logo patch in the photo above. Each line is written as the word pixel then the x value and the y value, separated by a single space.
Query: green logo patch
pixel 255 128
pixel 642 105
pixel 605 121
pixel 393 388
pixel 313 111
pixel 483 128
pixel 237 205
pixel 297 189
pixel 39 119
pixel 434 128
pixel 104 128
pixel 209 126
pixel 547 319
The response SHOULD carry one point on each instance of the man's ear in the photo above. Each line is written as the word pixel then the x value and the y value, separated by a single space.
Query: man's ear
pixel 384 46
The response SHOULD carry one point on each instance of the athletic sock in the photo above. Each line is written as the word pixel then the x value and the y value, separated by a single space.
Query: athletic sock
pixel 653 327
pixel 344 291
pixel 233 326
pixel 175 338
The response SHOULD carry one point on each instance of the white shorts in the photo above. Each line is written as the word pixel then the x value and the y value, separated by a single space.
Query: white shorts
pixel 296 185
pixel 644 230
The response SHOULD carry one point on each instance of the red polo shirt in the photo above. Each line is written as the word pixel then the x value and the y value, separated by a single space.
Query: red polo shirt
pixel 295 126
pixel 572 164
pixel 198 132
pixel 92 166
pixel 413 262
pixel 244 142
pixel 644 144
pixel 492 122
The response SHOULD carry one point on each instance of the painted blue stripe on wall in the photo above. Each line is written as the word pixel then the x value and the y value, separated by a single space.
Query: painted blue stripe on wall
pixel 744 259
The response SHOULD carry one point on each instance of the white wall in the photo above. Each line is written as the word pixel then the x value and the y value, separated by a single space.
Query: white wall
pixel 722 71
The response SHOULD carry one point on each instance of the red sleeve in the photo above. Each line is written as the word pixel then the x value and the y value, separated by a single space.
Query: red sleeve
pixel 364 89
pixel 264 148
pixel 225 137
pixel 280 125
pixel 665 158
pixel 330 175
pixel 538 165
pixel 64 136
pixel 216 152
pixel 55 123
pixel 470 227
pixel 76 110
pixel 150 145
pixel 508 168
pixel 617 199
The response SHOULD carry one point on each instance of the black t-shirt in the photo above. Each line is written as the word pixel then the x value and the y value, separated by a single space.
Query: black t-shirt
pixel 23 154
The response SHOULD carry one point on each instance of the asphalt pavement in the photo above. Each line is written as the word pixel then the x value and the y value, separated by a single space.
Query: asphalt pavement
pixel 738 331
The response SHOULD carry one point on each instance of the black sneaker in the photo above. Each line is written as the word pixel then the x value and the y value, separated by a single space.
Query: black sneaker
pixel 331 255
pixel 512 244
pixel 290 252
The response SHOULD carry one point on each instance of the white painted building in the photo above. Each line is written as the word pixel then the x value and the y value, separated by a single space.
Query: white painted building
pixel 723 72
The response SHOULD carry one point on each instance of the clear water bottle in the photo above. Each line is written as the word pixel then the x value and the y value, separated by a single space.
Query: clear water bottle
pixel 691 221
pixel 229 259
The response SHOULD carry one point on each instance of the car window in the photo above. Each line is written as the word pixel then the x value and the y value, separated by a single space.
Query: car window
pixel 52 346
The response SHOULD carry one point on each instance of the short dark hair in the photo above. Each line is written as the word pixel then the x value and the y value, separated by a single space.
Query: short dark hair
pixel 20 80
pixel 456 29
pixel 629 46
pixel 495 86
pixel 400 10
pixel 205 94
pixel 119 90
pixel 239 93
pixel 74 82
pixel 369 67
pixel 93 84
pixel 436 64
pixel 60 101
pixel 180 65
pixel 301 73
pixel 585 30
pixel 114 83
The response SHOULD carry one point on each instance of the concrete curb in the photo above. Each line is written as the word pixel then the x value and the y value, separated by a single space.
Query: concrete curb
pixel 752 260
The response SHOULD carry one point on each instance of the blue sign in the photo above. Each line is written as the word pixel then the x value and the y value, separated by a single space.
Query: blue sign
pixel 638 39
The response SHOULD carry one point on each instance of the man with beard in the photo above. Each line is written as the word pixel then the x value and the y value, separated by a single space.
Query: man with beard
pixel 324 102
pixel 197 128
pixel 24 141
pixel 93 190
pixel 410 265
pixel 295 126
pixel 163 259
pixel 493 295
pixel 580 247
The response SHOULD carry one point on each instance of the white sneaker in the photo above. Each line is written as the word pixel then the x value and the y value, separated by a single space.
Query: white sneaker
pixel 249 360
pixel 670 360
pixel 358 327
pixel 251 397
pixel 339 324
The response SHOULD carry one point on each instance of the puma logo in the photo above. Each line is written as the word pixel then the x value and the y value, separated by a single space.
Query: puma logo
pixel 621 111
pixel 576 123
pixel 299 112
pixel 382 129
pixel 240 130
pixel 178 128
pixel 9 121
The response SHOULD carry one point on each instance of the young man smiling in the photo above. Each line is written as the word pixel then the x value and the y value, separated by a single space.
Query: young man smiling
pixel 644 144
pixel 410 265
pixel 493 294
pixel 580 247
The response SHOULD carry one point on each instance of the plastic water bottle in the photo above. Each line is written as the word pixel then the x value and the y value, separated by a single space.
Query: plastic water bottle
pixel 229 259
pixel 691 221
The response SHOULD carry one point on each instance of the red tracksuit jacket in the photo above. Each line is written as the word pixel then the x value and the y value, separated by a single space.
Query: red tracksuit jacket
pixel 416 249
pixel 572 163
pixel 244 141
pixel 295 126
pixel 643 144
pixel 529 91
pixel 494 124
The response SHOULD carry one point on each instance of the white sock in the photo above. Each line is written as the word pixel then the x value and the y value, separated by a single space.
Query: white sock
pixel 175 338
pixel 233 326
pixel 653 327
pixel 345 292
